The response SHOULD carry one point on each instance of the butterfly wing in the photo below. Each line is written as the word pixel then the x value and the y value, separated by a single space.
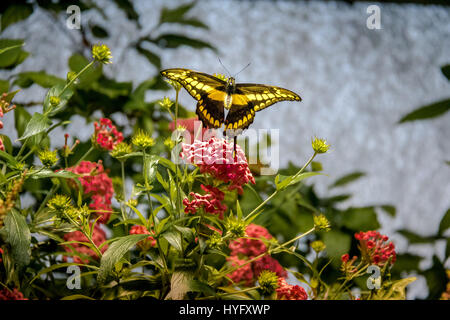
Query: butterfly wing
pixel 250 98
pixel 208 90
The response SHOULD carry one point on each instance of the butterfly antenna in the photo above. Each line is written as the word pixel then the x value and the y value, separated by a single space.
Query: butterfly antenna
pixel 229 73
pixel 235 153
pixel 242 69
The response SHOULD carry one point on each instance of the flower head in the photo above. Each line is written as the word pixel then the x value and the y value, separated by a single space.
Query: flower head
pixel 242 274
pixel 268 281
pixel 101 53
pixel 318 246
pixel 48 158
pixel 8 294
pixel 166 103
pixel 120 150
pixel 54 101
pixel 143 140
pixel 106 135
pixel 211 202
pixel 251 246
pixel 66 150
pixel 286 291
pixel 375 248
pixel 59 203
pixel 321 223
pixel 215 157
pixel 2 146
pixel 319 145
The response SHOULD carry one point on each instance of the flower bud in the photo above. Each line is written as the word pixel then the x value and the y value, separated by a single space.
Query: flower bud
pixel 121 149
pixel 101 53
pixel 321 223
pixel 54 101
pixel 318 246
pixel 48 158
pixel 319 145
pixel 143 140
pixel 166 103
pixel 268 282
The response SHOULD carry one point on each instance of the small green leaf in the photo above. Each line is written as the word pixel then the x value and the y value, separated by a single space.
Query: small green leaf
pixel 150 165
pixel 176 14
pixel 174 239
pixel 390 210
pixel 11 53
pixel 446 71
pixel 18 236
pixel 283 182
pixel 37 124
pixel 360 219
pixel 347 179
pixel 47 173
pixel 15 13
pixel 429 111
pixel 99 32
pixel 414 238
pixel 21 119
pixel 115 252
pixel 171 41
pixel 445 223
pixel 41 78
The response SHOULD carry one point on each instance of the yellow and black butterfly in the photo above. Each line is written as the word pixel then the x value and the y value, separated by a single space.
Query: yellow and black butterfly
pixel 214 95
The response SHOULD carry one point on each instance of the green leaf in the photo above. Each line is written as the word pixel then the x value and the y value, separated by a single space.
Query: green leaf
pixel 360 219
pixel 445 223
pixel 64 98
pixel 152 57
pixel 171 41
pixel 99 32
pixel 390 210
pixel 115 252
pixel 150 165
pixel 337 243
pixel 47 173
pixel 4 86
pixel 174 239
pixel 176 14
pixel 429 111
pixel 15 13
pixel 21 119
pixel 18 236
pixel 77 62
pixel 446 71
pixel 436 279
pixel 127 7
pixel 37 124
pixel 414 238
pixel 347 179
pixel 283 182
pixel 9 158
pixel 11 53
pixel 41 78
pixel 406 262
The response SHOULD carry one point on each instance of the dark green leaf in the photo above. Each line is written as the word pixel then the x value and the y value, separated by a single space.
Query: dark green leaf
pixel 406 262
pixel 446 71
pixel 9 158
pixel 21 119
pixel 170 40
pixel 127 7
pixel 17 234
pixel 360 219
pixel 150 165
pixel 174 238
pixel 429 111
pixel 390 210
pixel 176 14
pixel 99 32
pixel 414 238
pixel 41 78
pixel 337 243
pixel 115 252
pixel 4 86
pixel 15 13
pixel 37 124
pixel 12 56
pixel 347 179
pixel 445 223
pixel 436 279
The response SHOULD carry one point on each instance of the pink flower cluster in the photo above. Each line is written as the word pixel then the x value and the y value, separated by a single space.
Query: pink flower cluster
pixel 245 249
pixel 98 186
pixel 145 244
pixel 374 247
pixel 98 237
pixel 106 135
pixel 211 202
pixel 216 157
pixel 286 291
pixel 14 294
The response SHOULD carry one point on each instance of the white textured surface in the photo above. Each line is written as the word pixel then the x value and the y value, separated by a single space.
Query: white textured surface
pixel 355 84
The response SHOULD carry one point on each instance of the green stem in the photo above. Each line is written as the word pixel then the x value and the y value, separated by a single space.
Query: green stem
pixel 75 78
pixel 47 197
pixel 84 156
pixel 124 191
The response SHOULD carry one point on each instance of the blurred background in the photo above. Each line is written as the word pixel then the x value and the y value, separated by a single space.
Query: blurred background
pixel 360 88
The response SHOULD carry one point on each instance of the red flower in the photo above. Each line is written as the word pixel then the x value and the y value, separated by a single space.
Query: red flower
pixel 286 291
pixel 98 237
pixel 345 257
pixel 106 135
pixel 14 294
pixel 145 244
pixel 211 202
pixel 251 247
pixel 216 158
pixel 242 274
pixel 268 263
pixel 375 248
pixel 1 252
pixel 97 185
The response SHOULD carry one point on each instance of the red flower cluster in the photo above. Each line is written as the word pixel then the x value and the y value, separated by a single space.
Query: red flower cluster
pixel 210 202
pixel 98 186
pixel 251 248
pixel 286 291
pixel 98 237
pixel 106 135
pixel 375 248
pixel 216 158
pixel 145 244
pixel 14 294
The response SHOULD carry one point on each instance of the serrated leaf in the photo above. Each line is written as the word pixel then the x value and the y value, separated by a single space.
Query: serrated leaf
pixel 115 252
pixel 347 179
pixel 427 112
pixel 17 234
pixel 37 124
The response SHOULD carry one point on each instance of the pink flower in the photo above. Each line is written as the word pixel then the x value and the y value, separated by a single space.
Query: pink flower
pixel 98 237
pixel 242 274
pixel 106 135
pixel 286 291
pixel 145 244
pixel 97 185
pixel 2 146
pixel 215 157
pixel 251 247
pixel 211 202
pixel 14 294
pixel 375 248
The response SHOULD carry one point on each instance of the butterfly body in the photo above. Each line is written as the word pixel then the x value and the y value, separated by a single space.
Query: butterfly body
pixel 215 95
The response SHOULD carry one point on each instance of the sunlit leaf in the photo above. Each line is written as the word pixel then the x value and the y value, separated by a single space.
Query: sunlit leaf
pixel 427 112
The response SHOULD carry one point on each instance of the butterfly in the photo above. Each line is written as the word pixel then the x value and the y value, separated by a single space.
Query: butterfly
pixel 215 95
